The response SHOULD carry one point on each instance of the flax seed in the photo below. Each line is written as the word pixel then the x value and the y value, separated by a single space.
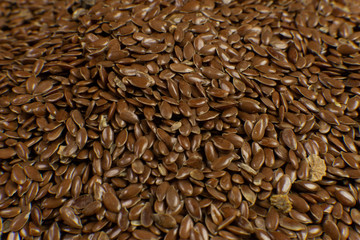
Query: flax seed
pixel 199 119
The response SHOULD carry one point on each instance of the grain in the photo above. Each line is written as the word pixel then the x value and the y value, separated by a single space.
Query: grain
pixel 111 202
pixel 179 120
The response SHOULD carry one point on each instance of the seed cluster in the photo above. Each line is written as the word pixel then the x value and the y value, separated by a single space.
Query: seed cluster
pixel 209 119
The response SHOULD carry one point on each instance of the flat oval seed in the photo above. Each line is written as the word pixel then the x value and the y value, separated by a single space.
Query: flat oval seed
pixel 18 175
pixel 64 188
pixel 165 220
pixel 19 221
pixel 331 229
pixel 181 68
pixel 144 235
pixel 32 173
pixel 69 217
pixel 111 202
pixel 185 227
pixel 7 153
pixel 289 139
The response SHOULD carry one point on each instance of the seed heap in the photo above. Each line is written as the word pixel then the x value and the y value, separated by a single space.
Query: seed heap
pixel 211 119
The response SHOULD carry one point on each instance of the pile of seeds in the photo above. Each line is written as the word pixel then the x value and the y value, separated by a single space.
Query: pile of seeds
pixel 209 119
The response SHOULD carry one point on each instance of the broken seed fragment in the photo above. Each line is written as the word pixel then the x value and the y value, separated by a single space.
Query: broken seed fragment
pixel 317 167
pixel 282 202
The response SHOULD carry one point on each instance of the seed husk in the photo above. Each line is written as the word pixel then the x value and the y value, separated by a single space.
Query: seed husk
pixel 317 168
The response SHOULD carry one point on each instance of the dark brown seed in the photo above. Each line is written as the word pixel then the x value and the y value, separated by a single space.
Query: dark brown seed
pixel 186 226
pixel 92 208
pixel 10 212
pixel 7 153
pixel 258 131
pixel 19 221
pixel 43 87
pixel 32 173
pixel 144 235
pixel 81 138
pixel 18 175
pixel 222 143
pixel 272 219
pixel 140 146
pixel 165 220
pixel 181 68
pixel 130 191
pixel 22 150
pixel 128 116
pixel 222 162
pixel 179 120
pixel 289 139
pixel 107 137
pixel 63 188
pixel 291 224
pixel 346 198
pixel 111 202
pixel 146 218
pixel 193 207
pixel 331 229
pixel 140 82
pixel 172 198
pixel 69 217
pixel 284 184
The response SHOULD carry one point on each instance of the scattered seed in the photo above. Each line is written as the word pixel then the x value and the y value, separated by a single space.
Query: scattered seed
pixel 179 120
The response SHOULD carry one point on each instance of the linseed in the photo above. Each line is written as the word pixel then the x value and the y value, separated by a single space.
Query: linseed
pixel 209 119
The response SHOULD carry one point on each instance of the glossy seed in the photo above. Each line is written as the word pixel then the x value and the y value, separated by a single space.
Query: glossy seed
pixel 165 220
pixel 179 120
pixel 69 217
pixel 111 202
